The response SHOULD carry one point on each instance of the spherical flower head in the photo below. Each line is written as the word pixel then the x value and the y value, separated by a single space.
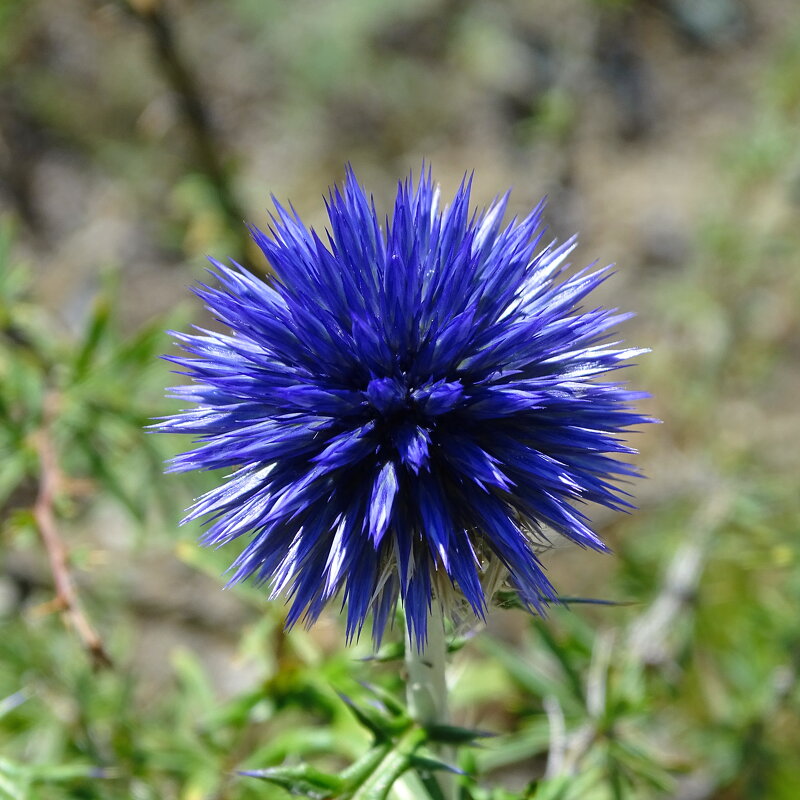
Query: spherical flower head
pixel 409 410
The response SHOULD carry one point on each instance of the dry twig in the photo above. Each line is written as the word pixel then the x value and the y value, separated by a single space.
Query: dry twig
pixel 66 599
pixel 649 638
pixel 160 28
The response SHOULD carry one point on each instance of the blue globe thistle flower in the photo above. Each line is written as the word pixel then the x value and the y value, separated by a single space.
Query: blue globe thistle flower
pixel 409 410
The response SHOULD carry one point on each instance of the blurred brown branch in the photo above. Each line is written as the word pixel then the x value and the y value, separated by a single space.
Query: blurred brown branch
pixel 650 635
pixel 66 600
pixel 160 28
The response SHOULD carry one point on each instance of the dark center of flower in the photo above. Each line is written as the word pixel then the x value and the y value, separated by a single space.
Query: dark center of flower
pixel 406 416
pixel 389 396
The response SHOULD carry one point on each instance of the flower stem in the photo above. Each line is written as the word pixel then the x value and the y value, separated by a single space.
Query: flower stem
pixel 427 686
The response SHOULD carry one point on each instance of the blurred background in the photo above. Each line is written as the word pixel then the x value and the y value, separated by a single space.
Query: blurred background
pixel 136 136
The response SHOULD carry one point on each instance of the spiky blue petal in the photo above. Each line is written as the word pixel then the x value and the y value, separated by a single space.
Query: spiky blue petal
pixel 406 408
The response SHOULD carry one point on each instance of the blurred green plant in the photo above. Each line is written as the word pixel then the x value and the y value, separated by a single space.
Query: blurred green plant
pixel 66 413
pixel 77 393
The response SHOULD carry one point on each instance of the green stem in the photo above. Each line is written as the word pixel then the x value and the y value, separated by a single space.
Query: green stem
pixel 357 773
pixel 427 686
pixel 391 767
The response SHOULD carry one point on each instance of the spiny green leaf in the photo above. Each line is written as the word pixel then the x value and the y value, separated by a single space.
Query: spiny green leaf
pixel 430 783
pixel 393 651
pixel 386 697
pixel 96 331
pixel 507 598
pixel 382 724
pixel 359 771
pixel 452 734
pixel 8 704
pixel 562 655
pixel 100 468
pixel 528 674
pixel 302 780
pixel 458 643
pixel 57 773
pixel 142 348
pixel 298 742
pixel 513 748
pixel 431 764
pixel 397 760
pixel 569 787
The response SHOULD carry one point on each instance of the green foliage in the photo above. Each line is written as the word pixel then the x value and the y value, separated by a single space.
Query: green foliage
pixel 78 393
